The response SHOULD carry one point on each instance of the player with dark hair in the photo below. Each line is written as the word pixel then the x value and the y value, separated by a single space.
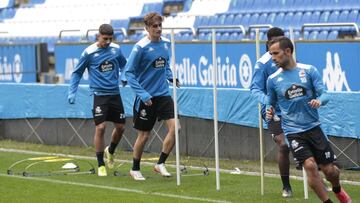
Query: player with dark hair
pixel 299 91
pixel 264 67
pixel 148 73
pixel 103 60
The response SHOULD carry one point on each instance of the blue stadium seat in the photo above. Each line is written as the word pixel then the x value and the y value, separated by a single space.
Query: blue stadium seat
pixel 333 35
pixel 253 19
pixel 313 35
pixel 296 21
pixel 305 35
pixel 324 17
pixel 212 20
pixel 271 18
pixel 221 19
pixel 236 36
pixel 279 18
pixel 237 19
pixel 352 17
pixel 343 17
pixel 334 17
pixel 229 19
pixel 262 18
pixel 323 35
pixel 245 19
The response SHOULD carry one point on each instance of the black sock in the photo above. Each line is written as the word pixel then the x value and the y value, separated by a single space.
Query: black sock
pixel 328 201
pixel 286 182
pixel 162 158
pixel 336 189
pixel 112 147
pixel 100 158
pixel 136 165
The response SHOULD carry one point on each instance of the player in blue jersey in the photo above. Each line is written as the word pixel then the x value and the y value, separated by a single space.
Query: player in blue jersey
pixel 264 67
pixel 103 60
pixel 298 90
pixel 148 73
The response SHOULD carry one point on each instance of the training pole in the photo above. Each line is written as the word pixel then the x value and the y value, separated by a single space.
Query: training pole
pixel 306 191
pixel 178 182
pixel 261 140
pixel 215 110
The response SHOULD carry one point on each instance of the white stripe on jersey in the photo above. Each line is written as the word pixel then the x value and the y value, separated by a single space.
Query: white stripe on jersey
pixel 279 70
pixel 303 66
pixel 265 58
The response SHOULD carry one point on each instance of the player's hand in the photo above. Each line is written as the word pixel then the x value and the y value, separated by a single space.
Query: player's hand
pixel 71 98
pixel 270 113
pixel 148 102
pixel 314 103
pixel 178 84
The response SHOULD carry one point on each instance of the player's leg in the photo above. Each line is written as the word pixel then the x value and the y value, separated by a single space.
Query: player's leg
pixel 165 108
pixel 99 113
pixel 325 157
pixel 314 179
pixel 116 114
pixel 283 155
pixel 144 120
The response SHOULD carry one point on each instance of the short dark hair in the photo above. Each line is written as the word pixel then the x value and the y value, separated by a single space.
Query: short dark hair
pixel 106 29
pixel 151 17
pixel 284 43
pixel 274 32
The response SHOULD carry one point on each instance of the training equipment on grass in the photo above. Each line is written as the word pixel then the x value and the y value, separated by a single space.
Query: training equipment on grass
pixel 184 172
pixel 50 165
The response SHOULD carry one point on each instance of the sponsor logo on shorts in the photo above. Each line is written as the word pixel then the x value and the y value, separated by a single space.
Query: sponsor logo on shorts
pixel 295 146
pixel 98 111
pixel 143 114
pixel 122 116
pixel 327 155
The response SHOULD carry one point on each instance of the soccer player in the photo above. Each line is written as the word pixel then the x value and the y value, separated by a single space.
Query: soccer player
pixel 148 72
pixel 298 90
pixel 263 68
pixel 103 60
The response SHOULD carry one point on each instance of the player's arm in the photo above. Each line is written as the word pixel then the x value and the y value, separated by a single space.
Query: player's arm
pixel 169 75
pixel 270 100
pixel 258 83
pixel 76 77
pixel 122 62
pixel 320 92
pixel 131 69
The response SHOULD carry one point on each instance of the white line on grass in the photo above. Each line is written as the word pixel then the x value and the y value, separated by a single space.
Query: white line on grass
pixel 147 163
pixel 115 188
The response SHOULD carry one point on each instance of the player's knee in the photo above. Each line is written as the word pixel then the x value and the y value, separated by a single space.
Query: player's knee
pixel 310 165
pixel 101 128
pixel 284 149
pixel 331 172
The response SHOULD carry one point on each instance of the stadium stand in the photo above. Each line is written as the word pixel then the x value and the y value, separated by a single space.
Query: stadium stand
pixel 52 21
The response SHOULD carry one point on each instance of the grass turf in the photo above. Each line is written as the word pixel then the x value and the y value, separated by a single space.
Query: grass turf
pixel 91 188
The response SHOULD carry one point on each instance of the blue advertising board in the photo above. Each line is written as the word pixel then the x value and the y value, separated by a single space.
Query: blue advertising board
pixel 18 63
pixel 337 62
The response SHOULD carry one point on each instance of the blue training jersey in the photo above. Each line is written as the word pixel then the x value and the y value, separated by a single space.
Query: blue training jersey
pixel 104 65
pixel 148 69
pixel 264 67
pixel 292 90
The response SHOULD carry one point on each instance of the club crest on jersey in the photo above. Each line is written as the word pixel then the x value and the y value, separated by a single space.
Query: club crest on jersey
pixel 302 76
pixel 106 66
pixel 159 62
pixel 295 91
